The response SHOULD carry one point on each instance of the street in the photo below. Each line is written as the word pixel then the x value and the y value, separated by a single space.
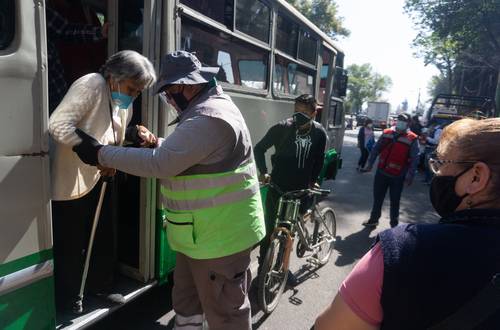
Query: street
pixel 351 199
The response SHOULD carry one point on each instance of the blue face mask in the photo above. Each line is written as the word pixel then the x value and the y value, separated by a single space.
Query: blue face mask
pixel 401 125
pixel 121 100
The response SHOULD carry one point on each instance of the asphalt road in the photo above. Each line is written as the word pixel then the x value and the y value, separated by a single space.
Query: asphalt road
pixel 298 308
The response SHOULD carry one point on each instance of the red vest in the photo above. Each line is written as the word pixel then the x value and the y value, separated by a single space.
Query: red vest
pixel 394 157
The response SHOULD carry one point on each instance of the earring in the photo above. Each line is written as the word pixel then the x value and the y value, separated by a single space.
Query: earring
pixel 469 203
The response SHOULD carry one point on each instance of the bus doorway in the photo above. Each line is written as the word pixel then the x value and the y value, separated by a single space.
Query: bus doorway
pixel 132 232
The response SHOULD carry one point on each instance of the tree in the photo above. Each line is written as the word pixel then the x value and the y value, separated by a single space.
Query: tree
pixel 364 85
pixel 438 85
pixel 473 26
pixel 324 14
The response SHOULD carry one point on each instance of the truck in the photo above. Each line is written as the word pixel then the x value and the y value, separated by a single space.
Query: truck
pixel 379 113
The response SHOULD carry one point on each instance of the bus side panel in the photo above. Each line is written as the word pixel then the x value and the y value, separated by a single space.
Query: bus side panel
pixel 26 289
pixel 28 307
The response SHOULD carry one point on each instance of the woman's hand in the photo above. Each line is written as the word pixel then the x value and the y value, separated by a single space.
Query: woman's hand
pixel 106 171
pixel 148 138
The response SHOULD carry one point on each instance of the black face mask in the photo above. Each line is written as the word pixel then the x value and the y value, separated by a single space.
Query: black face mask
pixel 444 199
pixel 180 100
pixel 300 119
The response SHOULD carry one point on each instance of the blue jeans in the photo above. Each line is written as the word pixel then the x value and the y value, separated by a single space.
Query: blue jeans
pixel 380 185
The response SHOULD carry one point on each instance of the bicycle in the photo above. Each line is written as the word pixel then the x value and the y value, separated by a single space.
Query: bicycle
pixel 316 231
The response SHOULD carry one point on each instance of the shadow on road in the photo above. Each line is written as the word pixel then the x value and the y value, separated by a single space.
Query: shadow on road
pixel 353 247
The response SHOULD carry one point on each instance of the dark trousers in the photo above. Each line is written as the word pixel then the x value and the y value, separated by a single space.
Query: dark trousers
pixel 72 224
pixel 380 185
pixel 364 157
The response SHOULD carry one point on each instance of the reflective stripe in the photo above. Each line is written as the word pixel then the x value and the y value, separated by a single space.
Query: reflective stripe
pixel 194 183
pixel 25 277
pixel 194 322
pixel 196 204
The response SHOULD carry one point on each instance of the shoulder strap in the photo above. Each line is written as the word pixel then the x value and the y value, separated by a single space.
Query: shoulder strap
pixel 475 311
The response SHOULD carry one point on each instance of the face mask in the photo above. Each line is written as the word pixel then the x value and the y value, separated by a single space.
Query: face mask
pixel 300 119
pixel 444 199
pixel 180 100
pixel 401 125
pixel 121 100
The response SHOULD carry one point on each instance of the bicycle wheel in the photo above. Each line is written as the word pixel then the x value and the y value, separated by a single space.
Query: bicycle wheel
pixel 272 278
pixel 322 234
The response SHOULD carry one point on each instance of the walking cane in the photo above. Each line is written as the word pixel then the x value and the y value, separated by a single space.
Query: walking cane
pixel 78 307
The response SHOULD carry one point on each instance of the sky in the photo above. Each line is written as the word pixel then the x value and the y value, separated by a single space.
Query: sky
pixel 381 34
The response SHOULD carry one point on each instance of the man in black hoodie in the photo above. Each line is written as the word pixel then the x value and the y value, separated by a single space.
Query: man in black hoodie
pixel 299 144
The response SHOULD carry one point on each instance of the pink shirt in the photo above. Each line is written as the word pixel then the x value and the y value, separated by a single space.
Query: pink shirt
pixel 362 288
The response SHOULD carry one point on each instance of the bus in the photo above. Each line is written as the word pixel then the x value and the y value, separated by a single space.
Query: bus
pixel 268 53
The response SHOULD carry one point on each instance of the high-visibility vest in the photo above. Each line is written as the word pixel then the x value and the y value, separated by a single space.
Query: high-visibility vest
pixel 213 215
pixel 395 154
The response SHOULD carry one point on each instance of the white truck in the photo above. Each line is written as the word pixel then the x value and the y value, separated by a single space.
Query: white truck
pixel 379 113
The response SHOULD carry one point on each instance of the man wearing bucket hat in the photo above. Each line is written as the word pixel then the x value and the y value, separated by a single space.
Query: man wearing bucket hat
pixel 209 191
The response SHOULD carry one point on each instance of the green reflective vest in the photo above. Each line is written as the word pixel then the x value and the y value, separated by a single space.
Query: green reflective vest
pixel 213 215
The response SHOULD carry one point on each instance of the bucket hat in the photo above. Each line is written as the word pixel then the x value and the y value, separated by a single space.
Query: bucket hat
pixel 183 68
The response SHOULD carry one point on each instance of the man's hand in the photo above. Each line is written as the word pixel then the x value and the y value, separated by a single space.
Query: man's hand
pixel 149 140
pixel 264 178
pixel 106 171
pixel 87 149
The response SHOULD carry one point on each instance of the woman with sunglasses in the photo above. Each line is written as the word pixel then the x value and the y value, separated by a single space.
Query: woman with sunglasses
pixel 418 276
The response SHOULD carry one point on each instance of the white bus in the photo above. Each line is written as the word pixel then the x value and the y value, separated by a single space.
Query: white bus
pixel 269 53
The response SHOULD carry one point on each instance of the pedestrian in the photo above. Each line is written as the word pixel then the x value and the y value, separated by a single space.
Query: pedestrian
pixel 415 125
pixel 366 140
pixel 58 28
pixel 398 151
pixel 431 142
pixel 101 104
pixel 299 143
pixel 418 276
pixel 210 193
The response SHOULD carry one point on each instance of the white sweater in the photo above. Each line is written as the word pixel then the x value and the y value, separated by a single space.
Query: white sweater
pixel 86 105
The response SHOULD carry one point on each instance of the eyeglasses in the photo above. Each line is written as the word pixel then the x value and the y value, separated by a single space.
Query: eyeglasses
pixel 435 164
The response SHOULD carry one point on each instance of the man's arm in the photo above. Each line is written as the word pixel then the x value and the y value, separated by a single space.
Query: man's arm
pixel 319 159
pixel 377 148
pixel 413 162
pixel 195 141
pixel 262 146
pixel 437 136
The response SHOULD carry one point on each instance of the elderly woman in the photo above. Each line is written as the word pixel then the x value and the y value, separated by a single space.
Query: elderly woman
pixel 419 275
pixel 101 105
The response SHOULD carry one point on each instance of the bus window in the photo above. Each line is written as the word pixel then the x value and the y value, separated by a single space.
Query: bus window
pixel 253 73
pixel 253 18
pixel 130 27
pixel 224 61
pixel 7 22
pixel 335 115
pixel 286 36
pixel 241 63
pixel 218 10
pixel 307 47
pixel 291 78
pixel 326 56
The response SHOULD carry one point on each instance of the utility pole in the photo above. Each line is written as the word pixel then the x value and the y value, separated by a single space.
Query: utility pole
pixel 418 103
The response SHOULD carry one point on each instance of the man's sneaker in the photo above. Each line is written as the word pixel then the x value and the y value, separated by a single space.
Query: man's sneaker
pixel 370 223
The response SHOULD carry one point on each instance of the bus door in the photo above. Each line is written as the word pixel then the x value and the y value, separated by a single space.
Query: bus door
pixel 26 267
pixel 136 26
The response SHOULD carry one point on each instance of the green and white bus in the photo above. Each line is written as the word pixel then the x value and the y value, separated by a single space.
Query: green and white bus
pixel 269 53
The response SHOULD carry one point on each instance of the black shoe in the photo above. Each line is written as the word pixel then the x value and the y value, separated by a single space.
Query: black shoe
pixel 291 280
pixel 394 224
pixel 370 223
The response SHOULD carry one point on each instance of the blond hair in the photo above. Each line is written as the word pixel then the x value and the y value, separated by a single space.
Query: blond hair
pixel 474 140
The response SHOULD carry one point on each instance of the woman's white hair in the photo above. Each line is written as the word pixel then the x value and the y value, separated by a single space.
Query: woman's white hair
pixel 129 64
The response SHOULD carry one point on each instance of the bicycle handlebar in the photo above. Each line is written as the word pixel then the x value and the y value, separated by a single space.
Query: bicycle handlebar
pixel 299 193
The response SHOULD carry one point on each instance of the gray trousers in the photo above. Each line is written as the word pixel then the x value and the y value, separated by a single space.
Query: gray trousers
pixel 217 288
